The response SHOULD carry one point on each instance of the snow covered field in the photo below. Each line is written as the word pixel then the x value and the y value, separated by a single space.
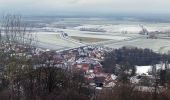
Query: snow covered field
pixel 116 31
pixel 154 44
pixel 143 70
pixel 53 41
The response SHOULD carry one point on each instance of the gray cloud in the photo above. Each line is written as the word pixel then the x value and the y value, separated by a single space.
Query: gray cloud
pixel 79 6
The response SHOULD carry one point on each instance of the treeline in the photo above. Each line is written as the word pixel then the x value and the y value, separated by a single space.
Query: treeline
pixel 92 29
pixel 128 92
pixel 43 84
pixel 129 57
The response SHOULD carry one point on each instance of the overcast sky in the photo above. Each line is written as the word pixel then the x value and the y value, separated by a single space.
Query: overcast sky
pixel 54 7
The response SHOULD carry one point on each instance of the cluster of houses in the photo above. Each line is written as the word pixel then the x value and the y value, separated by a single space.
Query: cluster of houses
pixel 87 61
pixel 83 60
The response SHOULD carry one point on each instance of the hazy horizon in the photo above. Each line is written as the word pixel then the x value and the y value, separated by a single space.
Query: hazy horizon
pixel 85 7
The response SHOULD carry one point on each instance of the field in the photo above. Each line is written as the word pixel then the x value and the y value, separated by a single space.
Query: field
pixel 121 33
pixel 154 44
pixel 88 39
pixel 53 41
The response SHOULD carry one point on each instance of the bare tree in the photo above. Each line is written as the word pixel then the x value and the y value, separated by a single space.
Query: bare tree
pixel 16 31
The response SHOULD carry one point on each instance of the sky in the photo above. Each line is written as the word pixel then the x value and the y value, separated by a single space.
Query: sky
pixel 80 7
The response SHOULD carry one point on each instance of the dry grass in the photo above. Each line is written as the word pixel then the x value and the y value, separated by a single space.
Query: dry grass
pixel 88 39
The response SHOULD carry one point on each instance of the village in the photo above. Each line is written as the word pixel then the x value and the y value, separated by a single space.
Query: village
pixel 85 61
